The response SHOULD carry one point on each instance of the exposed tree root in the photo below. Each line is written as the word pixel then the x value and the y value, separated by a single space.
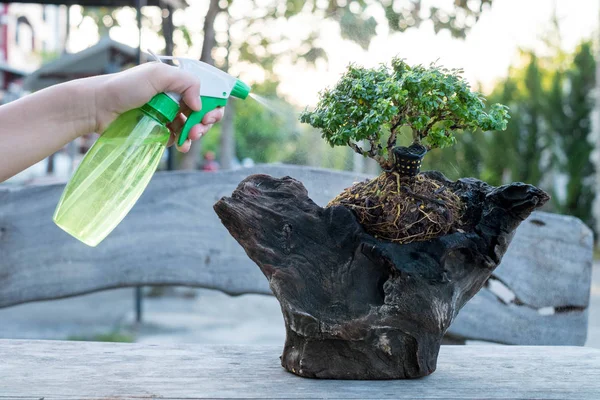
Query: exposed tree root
pixel 403 210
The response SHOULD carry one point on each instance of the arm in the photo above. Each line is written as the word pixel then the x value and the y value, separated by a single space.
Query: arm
pixel 38 125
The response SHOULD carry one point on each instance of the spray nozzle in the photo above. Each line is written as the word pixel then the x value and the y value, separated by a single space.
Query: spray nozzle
pixel 240 90
pixel 215 88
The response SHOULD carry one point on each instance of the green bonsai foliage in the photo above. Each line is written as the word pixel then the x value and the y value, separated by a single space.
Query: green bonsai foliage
pixel 367 104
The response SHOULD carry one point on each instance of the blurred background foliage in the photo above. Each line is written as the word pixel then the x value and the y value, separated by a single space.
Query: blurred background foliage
pixel 547 141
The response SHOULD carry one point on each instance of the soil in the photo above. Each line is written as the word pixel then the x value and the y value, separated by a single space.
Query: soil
pixel 402 209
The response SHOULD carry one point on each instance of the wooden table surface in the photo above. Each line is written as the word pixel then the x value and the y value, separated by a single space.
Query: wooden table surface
pixel 31 369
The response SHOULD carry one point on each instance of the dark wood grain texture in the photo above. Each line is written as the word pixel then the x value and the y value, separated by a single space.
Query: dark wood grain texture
pixel 356 307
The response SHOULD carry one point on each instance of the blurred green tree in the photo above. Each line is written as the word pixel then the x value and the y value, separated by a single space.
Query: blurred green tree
pixel 104 18
pixel 514 154
pixel 263 134
pixel 501 148
pixel 573 142
pixel 547 141
pixel 532 140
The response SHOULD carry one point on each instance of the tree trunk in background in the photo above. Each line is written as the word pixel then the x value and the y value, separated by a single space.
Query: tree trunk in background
pixel 72 150
pixel 227 137
pixel 67 30
pixel 167 28
pixel 227 153
pixel 50 165
pixel 209 32
pixel 192 158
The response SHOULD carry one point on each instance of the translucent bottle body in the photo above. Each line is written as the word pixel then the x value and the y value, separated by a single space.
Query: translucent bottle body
pixel 112 175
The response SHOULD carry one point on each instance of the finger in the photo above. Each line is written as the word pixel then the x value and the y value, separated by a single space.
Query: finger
pixel 172 139
pixel 198 131
pixel 166 78
pixel 214 116
pixel 185 147
pixel 177 123
pixel 191 97
pixel 184 109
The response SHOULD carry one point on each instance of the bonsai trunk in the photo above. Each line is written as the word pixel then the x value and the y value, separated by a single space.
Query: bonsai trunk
pixel 356 307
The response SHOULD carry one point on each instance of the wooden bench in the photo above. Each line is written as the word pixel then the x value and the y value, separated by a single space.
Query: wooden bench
pixel 538 296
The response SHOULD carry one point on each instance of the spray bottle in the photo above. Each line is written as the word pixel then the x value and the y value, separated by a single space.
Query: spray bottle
pixel 116 170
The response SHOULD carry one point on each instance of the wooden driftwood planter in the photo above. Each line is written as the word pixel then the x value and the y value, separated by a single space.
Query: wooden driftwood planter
pixel 356 307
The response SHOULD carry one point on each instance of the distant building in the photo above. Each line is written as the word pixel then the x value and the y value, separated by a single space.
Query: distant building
pixel 10 82
pixel 106 56
pixel 28 32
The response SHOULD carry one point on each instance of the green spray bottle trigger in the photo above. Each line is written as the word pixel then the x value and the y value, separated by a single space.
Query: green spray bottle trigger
pixel 216 87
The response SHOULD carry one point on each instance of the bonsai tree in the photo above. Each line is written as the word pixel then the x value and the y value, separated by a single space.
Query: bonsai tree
pixel 369 104
pixel 372 106
pixel 355 305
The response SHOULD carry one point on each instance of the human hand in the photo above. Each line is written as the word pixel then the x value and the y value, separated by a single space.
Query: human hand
pixel 124 91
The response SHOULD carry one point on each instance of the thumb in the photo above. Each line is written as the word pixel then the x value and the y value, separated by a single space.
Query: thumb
pixel 191 94
pixel 172 79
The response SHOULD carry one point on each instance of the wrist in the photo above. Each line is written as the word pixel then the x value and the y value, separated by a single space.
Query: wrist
pixel 81 109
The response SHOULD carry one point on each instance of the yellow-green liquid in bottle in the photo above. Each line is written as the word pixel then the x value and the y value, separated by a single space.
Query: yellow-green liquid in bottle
pixel 112 175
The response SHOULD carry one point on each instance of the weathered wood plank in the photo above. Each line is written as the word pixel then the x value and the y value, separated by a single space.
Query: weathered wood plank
pixel 549 262
pixel 142 250
pixel 38 261
pixel 69 370
pixel 486 318
pixel 548 265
